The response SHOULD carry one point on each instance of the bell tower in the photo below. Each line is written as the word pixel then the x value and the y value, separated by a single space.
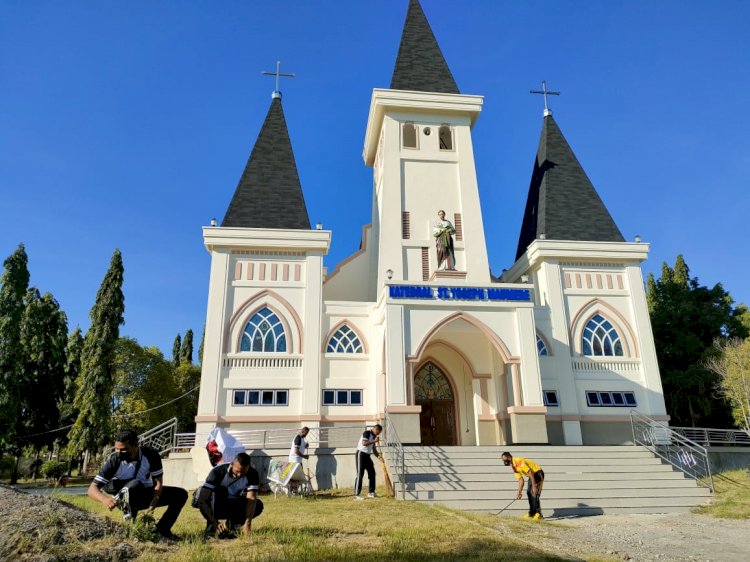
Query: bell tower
pixel 418 142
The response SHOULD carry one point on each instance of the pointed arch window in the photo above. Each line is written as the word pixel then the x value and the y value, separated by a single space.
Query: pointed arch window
pixel 344 340
pixel 409 135
pixel 445 134
pixel 600 338
pixel 431 384
pixel 264 333
pixel 541 347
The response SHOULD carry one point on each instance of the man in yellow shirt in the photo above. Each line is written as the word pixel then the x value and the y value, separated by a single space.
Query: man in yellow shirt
pixel 528 468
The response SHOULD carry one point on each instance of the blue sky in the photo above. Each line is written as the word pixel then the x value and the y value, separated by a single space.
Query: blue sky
pixel 128 124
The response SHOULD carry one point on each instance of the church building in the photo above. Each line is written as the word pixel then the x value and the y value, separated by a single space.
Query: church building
pixel 414 326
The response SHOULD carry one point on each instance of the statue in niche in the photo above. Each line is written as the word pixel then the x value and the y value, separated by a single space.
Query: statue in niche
pixel 443 232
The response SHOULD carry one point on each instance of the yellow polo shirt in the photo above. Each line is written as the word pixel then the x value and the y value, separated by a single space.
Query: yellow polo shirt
pixel 524 467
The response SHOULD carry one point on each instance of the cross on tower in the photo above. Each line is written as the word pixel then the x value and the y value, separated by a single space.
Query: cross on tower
pixel 545 93
pixel 278 74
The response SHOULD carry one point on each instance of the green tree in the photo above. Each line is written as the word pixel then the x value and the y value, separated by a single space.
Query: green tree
pixel 176 350
pixel 144 380
pixel 200 349
pixel 187 378
pixel 186 352
pixel 731 363
pixel 686 318
pixel 73 352
pixel 44 330
pixel 13 286
pixel 93 400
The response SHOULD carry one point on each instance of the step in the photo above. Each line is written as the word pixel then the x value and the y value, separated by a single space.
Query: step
pixel 459 484
pixel 661 476
pixel 548 471
pixel 544 463
pixel 574 496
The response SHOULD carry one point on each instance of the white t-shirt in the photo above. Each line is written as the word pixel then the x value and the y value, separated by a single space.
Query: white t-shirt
pixel 298 443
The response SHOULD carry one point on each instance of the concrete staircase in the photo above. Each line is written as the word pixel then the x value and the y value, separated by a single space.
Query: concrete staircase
pixel 579 480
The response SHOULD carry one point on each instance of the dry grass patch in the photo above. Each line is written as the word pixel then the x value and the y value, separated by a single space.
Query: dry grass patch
pixel 732 496
pixel 333 527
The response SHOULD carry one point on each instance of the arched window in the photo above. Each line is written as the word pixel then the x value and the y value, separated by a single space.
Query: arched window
pixel 446 137
pixel 344 340
pixel 431 384
pixel 540 347
pixel 264 333
pixel 409 135
pixel 600 338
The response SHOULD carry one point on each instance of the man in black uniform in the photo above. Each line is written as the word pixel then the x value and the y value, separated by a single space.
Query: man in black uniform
pixel 133 475
pixel 365 448
pixel 230 492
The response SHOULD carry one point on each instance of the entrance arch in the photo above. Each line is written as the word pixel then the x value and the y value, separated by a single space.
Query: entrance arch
pixel 434 392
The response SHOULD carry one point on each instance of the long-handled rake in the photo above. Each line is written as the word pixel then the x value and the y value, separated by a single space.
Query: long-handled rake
pixel 507 506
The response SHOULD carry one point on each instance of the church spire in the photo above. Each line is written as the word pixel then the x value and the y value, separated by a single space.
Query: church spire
pixel 420 65
pixel 562 203
pixel 269 194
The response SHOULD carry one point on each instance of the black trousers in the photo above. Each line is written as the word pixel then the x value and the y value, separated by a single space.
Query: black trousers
pixel 364 462
pixel 535 505
pixel 173 498
pixel 234 510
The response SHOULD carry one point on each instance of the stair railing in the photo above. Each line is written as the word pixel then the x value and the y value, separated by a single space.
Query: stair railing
pixel 675 449
pixel 395 450
pixel 161 437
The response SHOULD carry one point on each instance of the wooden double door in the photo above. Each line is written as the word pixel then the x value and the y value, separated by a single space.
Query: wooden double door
pixel 437 420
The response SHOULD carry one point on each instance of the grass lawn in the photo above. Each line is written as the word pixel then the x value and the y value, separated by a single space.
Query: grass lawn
pixel 732 496
pixel 332 526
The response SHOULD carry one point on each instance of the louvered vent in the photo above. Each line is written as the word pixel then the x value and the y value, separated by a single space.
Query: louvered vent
pixel 459 226
pixel 425 264
pixel 405 225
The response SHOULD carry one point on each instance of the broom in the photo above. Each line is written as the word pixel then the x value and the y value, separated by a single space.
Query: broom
pixel 387 478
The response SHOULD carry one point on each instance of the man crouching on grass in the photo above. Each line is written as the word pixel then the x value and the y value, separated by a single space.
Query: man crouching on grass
pixel 133 475
pixel 230 492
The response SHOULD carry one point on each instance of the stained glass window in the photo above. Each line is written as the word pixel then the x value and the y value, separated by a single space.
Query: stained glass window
pixel 431 384
pixel 264 332
pixel 600 338
pixel 344 340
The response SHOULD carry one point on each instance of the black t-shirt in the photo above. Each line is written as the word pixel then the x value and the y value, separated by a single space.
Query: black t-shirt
pixel 221 476
pixel 115 469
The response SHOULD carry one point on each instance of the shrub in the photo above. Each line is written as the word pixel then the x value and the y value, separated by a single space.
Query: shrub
pixel 6 466
pixel 54 469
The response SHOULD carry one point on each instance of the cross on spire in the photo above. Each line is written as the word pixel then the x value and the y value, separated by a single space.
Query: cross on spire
pixel 277 93
pixel 545 93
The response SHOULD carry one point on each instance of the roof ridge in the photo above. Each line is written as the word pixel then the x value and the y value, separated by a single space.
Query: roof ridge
pixel 269 193
pixel 420 64
pixel 562 203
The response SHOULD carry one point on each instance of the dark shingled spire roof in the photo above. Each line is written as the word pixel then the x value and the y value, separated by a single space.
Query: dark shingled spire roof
pixel 420 65
pixel 562 203
pixel 269 194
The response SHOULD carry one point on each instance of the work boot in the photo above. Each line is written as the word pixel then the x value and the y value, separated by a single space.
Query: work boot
pixel 538 516
pixel 527 516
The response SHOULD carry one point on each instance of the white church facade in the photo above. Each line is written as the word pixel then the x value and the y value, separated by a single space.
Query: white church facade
pixel 557 350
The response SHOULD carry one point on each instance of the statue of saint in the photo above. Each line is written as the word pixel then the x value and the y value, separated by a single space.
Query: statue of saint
pixel 443 232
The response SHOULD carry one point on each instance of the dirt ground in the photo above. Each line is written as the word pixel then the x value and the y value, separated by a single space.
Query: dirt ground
pixel 685 536
pixel 42 529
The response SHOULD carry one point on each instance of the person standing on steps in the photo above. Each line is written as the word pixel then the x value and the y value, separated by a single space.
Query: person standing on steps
pixel 365 448
pixel 528 468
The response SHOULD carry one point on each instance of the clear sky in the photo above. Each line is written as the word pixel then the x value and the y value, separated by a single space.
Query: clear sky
pixel 127 125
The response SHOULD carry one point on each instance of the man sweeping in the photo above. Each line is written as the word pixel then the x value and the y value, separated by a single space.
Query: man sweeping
pixel 528 468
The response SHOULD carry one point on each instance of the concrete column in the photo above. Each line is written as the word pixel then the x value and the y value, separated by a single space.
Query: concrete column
pixel 218 285
pixel 313 314
pixel 395 356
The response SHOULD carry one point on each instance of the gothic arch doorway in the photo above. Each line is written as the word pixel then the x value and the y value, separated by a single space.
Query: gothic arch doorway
pixel 437 420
